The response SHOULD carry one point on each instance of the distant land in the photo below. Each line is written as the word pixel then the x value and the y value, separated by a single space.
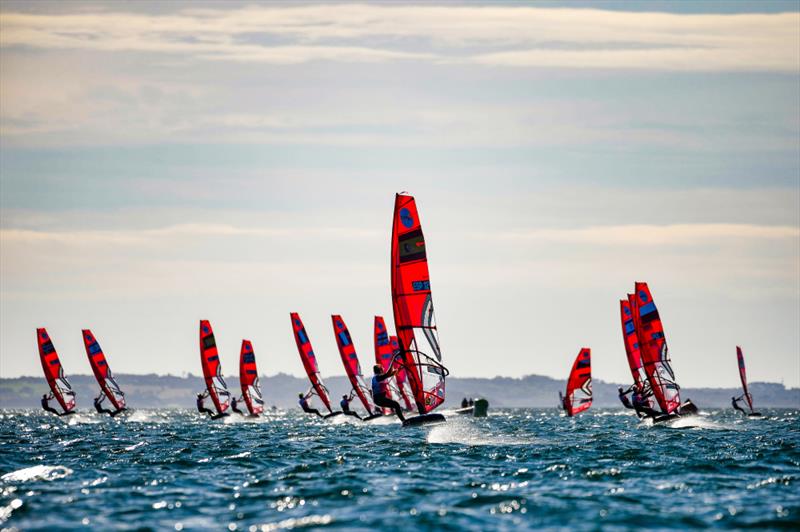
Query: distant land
pixel 154 391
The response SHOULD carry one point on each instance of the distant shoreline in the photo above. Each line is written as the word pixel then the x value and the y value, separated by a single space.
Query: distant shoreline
pixel 531 391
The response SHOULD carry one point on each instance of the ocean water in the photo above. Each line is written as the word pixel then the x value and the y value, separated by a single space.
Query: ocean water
pixel 517 469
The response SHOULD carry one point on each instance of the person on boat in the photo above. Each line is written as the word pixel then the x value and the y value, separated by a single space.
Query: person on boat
pixel 623 397
pixel 735 404
pixel 235 406
pixel 46 405
pixel 345 404
pixel 471 402
pixel 380 391
pixel 303 402
pixel 464 403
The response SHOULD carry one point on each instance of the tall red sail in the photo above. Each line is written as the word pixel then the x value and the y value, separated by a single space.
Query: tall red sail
pixel 99 364
pixel 212 369
pixel 248 379
pixel 384 355
pixel 350 360
pixel 655 356
pixel 631 339
pixel 743 376
pixel 401 376
pixel 413 307
pixel 579 384
pixel 309 360
pixel 54 372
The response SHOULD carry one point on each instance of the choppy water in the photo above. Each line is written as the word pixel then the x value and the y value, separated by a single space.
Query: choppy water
pixel 516 469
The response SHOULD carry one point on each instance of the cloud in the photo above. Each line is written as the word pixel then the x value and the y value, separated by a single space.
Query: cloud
pixel 508 36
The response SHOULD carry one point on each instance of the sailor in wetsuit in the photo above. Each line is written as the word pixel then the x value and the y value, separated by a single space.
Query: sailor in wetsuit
pixel 98 405
pixel 379 390
pixel 345 404
pixel 641 405
pixel 563 402
pixel 201 407
pixel 303 402
pixel 46 405
pixel 735 404
pixel 235 406
pixel 623 397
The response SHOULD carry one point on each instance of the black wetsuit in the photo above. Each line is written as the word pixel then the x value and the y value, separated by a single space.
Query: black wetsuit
pixel 380 397
pixel 735 404
pixel 202 408
pixel 235 406
pixel 642 407
pixel 100 409
pixel 307 409
pixel 623 397
pixel 48 408
pixel 345 404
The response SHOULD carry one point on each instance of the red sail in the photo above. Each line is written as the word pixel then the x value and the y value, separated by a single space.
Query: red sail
pixel 101 370
pixel 212 368
pixel 413 307
pixel 743 376
pixel 350 360
pixel 248 379
pixel 579 384
pixel 309 359
pixel 655 356
pixel 631 339
pixel 401 376
pixel 384 354
pixel 53 372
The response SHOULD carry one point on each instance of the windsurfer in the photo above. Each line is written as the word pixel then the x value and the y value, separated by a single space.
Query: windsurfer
pixel 200 406
pixel 641 405
pixel 303 402
pixel 735 404
pixel 379 390
pixel 235 406
pixel 623 397
pixel 345 404
pixel 98 405
pixel 46 405
pixel 562 401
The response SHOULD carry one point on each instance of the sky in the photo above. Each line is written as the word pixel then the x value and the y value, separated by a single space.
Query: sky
pixel 162 163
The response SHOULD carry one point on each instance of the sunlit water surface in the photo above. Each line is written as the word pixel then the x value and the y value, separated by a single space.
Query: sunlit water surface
pixel 516 469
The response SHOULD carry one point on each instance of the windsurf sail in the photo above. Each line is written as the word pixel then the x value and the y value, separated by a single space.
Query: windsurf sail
pixel 401 377
pixel 54 372
pixel 743 376
pixel 384 355
pixel 309 360
pixel 655 355
pixel 212 369
pixel 101 370
pixel 248 379
pixel 630 335
pixel 579 384
pixel 418 339
pixel 350 360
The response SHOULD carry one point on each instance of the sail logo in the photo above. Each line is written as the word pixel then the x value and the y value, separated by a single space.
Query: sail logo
pixel 406 219
pixel 419 286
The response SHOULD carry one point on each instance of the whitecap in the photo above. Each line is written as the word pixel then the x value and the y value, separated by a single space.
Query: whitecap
pixel 39 472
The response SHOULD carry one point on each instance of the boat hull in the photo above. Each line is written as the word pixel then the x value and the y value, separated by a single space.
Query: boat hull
pixel 479 409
